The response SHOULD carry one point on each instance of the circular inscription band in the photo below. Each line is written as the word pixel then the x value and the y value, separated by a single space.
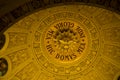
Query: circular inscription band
pixel 65 41
pixel 66 37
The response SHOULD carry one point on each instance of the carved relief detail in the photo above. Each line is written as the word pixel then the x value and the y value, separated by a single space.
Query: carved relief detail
pixel 107 69
pixel 92 75
pixel 17 39
pixel 112 52
pixel 18 57
pixel 28 72
pixel 112 35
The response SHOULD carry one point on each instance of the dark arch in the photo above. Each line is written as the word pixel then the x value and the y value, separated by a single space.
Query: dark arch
pixel 33 5
pixel 3 66
pixel 118 78
pixel 2 40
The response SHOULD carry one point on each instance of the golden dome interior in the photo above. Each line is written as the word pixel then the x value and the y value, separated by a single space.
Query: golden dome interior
pixel 69 42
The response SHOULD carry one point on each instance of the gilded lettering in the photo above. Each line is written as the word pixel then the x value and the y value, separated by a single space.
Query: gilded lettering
pixel 81 47
pixel 50 49
pixel 65 25
pixel 49 34
pixel 65 57
pixel 80 31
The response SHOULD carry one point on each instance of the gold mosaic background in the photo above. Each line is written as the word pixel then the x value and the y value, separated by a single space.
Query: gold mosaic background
pixel 29 59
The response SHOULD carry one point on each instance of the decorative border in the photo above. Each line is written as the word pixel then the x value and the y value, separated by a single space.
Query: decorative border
pixel 32 5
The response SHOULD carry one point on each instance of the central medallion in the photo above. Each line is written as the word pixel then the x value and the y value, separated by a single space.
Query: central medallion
pixel 65 40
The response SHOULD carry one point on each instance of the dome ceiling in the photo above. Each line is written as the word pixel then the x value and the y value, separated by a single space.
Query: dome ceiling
pixel 70 42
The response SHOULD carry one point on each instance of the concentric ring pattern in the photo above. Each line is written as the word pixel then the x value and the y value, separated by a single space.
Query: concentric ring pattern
pixel 72 42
